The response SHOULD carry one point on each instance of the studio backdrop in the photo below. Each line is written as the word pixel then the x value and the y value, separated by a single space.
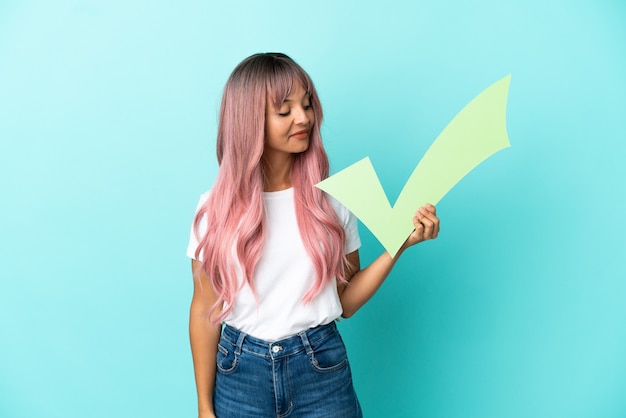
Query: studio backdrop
pixel 108 117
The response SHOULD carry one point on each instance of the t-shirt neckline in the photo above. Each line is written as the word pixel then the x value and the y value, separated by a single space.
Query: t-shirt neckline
pixel 278 194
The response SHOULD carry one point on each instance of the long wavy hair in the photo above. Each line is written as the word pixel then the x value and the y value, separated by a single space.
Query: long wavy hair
pixel 234 214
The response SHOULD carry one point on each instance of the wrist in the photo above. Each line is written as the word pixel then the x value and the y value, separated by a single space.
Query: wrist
pixel 205 409
pixel 401 250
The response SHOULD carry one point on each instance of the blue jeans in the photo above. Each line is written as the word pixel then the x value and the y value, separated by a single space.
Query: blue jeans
pixel 306 375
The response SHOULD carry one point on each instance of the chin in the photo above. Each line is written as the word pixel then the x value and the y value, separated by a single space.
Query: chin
pixel 300 149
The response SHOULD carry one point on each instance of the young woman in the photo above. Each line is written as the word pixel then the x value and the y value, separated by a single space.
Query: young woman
pixel 275 260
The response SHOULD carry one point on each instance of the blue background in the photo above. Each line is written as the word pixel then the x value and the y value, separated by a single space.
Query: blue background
pixel 108 115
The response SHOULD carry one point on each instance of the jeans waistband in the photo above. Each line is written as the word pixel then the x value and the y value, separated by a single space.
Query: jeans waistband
pixel 281 348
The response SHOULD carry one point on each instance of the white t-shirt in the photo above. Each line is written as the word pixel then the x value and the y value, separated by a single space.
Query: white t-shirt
pixel 284 274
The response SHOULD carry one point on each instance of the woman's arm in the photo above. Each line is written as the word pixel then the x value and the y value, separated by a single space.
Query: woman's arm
pixel 204 336
pixel 364 283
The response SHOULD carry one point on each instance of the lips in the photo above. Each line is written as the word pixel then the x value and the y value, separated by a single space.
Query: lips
pixel 301 134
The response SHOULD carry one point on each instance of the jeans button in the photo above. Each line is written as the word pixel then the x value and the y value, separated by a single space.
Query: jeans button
pixel 276 349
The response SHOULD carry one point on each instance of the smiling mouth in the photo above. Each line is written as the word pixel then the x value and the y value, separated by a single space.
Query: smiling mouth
pixel 301 134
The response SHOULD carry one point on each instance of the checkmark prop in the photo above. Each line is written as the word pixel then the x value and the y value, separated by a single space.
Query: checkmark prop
pixel 476 132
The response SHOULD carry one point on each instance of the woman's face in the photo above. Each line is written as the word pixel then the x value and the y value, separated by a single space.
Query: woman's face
pixel 288 128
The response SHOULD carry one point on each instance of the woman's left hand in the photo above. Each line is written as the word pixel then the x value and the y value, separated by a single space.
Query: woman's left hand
pixel 426 225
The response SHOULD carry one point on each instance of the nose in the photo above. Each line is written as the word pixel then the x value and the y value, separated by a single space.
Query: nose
pixel 301 117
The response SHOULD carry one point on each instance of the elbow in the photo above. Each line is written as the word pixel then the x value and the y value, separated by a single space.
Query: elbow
pixel 348 305
pixel 347 313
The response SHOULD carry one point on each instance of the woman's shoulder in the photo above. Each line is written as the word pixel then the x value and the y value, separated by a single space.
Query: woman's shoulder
pixel 348 222
pixel 342 212
pixel 203 198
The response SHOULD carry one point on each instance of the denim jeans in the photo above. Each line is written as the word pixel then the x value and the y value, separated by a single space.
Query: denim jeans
pixel 306 375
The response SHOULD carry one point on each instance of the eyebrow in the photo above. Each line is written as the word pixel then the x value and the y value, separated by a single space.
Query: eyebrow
pixel 305 94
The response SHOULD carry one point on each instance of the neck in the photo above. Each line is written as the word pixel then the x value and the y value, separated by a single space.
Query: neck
pixel 277 173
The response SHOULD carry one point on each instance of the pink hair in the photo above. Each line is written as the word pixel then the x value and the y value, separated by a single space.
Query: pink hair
pixel 234 213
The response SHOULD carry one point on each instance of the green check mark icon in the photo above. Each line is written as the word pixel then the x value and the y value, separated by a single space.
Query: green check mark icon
pixel 476 132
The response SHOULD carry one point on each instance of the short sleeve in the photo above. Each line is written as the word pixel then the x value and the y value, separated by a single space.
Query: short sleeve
pixel 193 239
pixel 349 223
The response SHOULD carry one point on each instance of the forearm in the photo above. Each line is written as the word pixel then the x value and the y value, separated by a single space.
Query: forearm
pixel 204 337
pixel 366 282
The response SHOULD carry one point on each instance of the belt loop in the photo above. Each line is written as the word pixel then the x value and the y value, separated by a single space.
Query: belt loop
pixel 305 342
pixel 240 339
